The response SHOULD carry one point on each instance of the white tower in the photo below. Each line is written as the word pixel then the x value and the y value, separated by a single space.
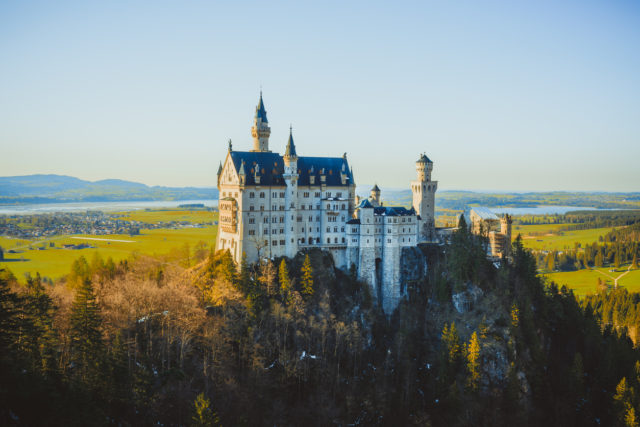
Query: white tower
pixel 291 195
pixel 424 195
pixel 260 130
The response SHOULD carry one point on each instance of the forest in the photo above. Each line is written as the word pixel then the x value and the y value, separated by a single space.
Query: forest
pixel 149 341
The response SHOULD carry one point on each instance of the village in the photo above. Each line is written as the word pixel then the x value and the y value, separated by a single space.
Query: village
pixel 90 222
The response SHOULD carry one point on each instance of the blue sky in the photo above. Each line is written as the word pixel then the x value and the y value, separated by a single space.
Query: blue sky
pixel 500 95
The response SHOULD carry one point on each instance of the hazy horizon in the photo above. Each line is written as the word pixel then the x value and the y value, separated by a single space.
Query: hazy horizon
pixel 534 96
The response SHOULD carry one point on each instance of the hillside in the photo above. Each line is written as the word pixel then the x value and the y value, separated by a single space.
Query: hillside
pixel 60 188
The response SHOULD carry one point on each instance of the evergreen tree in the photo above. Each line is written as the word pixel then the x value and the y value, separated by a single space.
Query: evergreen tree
pixel 86 337
pixel 634 262
pixel 1 254
pixel 307 277
pixel 473 362
pixel 283 277
pixel 598 260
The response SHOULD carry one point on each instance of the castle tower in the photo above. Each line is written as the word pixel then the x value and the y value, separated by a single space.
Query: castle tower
pixel 374 197
pixel 291 194
pixel 424 194
pixel 505 229
pixel 260 130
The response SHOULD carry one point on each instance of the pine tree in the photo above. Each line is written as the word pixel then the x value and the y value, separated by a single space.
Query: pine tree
pixel 245 276
pixel 285 281
pixel 634 262
pixel 86 337
pixel 473 362
pixel 307 277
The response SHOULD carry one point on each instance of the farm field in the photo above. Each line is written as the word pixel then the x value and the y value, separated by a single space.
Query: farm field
pixel 547 238
pixel 55 262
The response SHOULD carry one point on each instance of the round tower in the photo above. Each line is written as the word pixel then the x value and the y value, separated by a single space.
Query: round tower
pixel 260 130
pixel 424 195
pixel 291 194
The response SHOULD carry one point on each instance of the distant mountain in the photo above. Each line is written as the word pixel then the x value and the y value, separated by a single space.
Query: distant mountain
pixel 61 188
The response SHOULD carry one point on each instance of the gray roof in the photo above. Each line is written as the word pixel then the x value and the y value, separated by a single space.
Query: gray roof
pixel 424 159
pixel 271 168
pixel 484 213
pixel 261 113
pixel 291 147
pixel 375 188
pixel 393 211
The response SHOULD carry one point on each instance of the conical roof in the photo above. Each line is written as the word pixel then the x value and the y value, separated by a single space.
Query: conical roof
pixel 261 113
pixel 291 147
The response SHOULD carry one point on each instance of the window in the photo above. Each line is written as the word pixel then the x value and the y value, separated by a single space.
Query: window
pixel 302 240
pixel 342 206
pixel 251 208
pixel 274 243
pixel 274 207
pixel 343 218
pixel 266 220
pixel 302 229
pixel 281 242
pixel 252 232
pixel 328 206
pixel 252 195
pixel 265 231
pixel 343 240
pixel 302 207
pixel 328 229
pixel 224 194
pixel 339 194
pixel 335 229
pixel 252 220
pixel 328 193
pixel 310 207
pixel 317 194
pixel 261 207
pixel 274 195
pixel 342 229
pixel 281 219
pixel 282 231
pixel 282 195
pixel 328 240
pixel 335 240
pixel 388 240
pixel 262 195
pixel 305 194
pixel 310 229
pixel 310 219
pixel 354 230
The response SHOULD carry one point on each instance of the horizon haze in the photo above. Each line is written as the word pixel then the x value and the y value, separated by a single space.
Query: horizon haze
pixel 534 96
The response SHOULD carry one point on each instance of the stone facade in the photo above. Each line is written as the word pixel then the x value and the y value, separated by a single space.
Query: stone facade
pixel 496 229
pixel 272 205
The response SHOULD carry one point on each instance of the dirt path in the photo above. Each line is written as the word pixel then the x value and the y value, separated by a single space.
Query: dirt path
pixel 615 279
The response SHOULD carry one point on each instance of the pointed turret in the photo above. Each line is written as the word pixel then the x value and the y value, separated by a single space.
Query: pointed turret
pixel 260 130
pixel 290 151
pixel 375 195
pixel 219 169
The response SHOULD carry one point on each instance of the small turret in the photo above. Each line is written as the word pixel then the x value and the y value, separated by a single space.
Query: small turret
pixel 257 174
pixel 260 130
pixel 242 174
pixel 424 166
pixel 375 195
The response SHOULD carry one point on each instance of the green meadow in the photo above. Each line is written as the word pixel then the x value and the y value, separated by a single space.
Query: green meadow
pixel 547 237
pixel 584 282
pixel 55 262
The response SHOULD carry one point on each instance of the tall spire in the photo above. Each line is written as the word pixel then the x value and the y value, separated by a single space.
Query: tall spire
pixel 260 130
pixel 291 147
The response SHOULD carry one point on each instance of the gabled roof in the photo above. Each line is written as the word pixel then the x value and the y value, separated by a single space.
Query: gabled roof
pixel 376 188
pixel 393 211
pixel 272 168
pixel 484 213
pixel 364 204
pixel 354 221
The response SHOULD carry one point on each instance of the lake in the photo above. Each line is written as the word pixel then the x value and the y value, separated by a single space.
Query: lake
pixel 99 206
pixel 542 210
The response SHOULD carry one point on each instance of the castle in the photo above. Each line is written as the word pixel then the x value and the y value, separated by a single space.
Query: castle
pixel 274 205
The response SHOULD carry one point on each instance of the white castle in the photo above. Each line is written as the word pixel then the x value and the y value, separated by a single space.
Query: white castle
pixel 272 206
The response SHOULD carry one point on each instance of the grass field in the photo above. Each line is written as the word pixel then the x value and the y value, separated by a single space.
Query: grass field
pixel 154 216
pixel 546 236
pixel 585 281
pixel 55 262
